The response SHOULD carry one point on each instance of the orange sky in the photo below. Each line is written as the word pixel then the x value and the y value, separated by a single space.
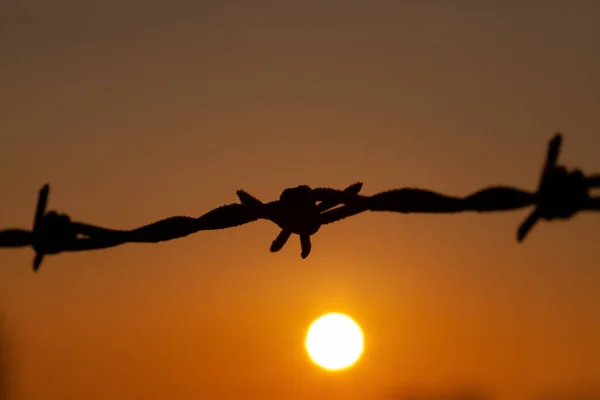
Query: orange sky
pixel 135 111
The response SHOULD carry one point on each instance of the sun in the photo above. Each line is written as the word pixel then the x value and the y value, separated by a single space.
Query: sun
pixel 334 342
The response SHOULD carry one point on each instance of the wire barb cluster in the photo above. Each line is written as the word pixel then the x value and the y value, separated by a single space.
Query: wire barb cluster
pixel 303 210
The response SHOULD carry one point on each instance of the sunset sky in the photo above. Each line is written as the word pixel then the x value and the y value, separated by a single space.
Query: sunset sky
pixel 138 110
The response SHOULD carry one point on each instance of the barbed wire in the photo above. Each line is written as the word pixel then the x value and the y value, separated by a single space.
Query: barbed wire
pixel 303 210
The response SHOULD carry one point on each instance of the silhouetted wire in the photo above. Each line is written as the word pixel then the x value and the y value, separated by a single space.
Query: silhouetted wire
pixel 303 210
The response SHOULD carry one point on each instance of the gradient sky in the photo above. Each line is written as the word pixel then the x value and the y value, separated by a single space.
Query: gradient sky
pixel 137 110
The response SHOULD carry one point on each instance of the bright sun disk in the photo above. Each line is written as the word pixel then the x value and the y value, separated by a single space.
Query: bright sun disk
pixel 334 341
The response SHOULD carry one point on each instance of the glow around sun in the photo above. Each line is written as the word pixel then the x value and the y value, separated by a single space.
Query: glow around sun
pixel 334 342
